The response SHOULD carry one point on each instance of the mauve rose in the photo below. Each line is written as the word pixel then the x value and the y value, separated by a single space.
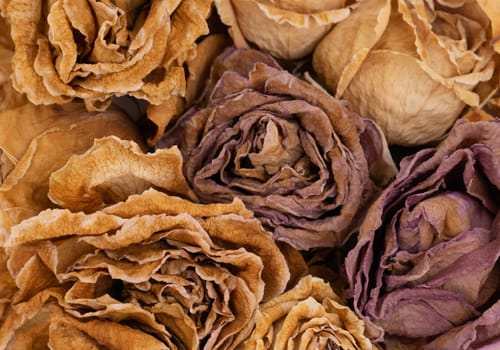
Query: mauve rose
pixel 296 156
pixel 426 266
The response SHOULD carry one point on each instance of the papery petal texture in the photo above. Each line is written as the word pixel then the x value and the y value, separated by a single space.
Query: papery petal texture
pixel 308 316
pixel 144 265
pixel 425 267
pixel 37 140
pixel 306 165
pixel 95 50
pixel 412 66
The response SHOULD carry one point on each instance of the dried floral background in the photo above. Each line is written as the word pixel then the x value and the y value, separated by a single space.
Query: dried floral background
pixel 250 174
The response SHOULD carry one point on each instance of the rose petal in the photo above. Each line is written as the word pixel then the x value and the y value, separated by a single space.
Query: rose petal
pixel 123 175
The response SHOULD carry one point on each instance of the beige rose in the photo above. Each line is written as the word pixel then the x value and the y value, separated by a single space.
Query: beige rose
pixel 287 29
pixel 309 316
pixel 128 249
pixel 412 65
pixel 96 49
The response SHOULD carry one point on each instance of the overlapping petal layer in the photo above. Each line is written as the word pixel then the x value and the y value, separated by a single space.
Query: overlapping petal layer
pixel 426 266
pixel 305 164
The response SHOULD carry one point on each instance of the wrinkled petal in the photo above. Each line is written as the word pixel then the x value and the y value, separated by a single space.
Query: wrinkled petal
pixel 297 157
pixel 85 184
pixel 27 141
pixel 94 50
pixel 308 316
pixel 426 263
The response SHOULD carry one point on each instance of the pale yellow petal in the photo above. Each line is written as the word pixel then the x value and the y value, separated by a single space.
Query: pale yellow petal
pixel 339 56
pixel 289 34
pixel 403 111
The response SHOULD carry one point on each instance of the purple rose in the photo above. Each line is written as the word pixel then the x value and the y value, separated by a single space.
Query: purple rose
pixel 426 266
pixel 295 155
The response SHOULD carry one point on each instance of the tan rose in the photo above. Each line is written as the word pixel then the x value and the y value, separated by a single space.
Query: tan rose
pixel 34 141
pixel 127 248
pixel 96 49
pixel 309 316
pixel 287 29
pixel 412 65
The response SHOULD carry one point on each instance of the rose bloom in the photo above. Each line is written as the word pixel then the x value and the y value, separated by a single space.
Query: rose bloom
pixel 298 158
pixel 308 316
pixel 127 260
pixel 28 156
pixel 426 265
pixel 94 50
pixel 412 66
pixel 292 28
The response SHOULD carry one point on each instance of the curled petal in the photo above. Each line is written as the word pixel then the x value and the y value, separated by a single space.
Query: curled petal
pixel 84 184
pixel 28 136
pixel 307 316
pixel 96 50
pixel 426 263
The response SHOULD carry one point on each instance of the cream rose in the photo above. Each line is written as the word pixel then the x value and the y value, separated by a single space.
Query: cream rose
pixel 287 29
pixel 412 66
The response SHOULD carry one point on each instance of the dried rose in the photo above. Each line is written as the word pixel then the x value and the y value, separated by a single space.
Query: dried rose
pixel 124 249
pixel 426 266
pixel 308 316
pixel 292 28
pixel 37 140
pixel 97 49
pixel 412 66
pixel 298 158
pixel 9 97
pixel 42 322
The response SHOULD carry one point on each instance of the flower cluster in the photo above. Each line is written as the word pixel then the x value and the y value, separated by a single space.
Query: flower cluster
pixel 250 174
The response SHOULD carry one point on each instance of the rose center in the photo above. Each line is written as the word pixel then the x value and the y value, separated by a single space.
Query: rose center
pixel 273 145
